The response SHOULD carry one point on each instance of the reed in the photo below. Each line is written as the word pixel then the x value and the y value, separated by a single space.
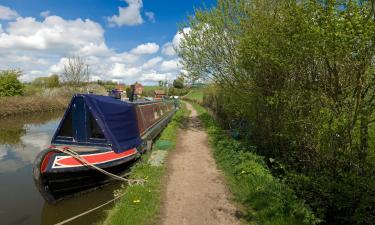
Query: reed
pixel 30 104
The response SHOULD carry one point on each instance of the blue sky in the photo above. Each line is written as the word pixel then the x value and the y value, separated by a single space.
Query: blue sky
pixel 127 40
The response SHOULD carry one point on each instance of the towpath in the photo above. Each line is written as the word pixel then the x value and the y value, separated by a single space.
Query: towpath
pixel 195 190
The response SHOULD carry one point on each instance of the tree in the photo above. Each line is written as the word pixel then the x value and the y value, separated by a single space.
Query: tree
pixel 9 83
pixel 161 83
pixel 178 83
pixel 302 73
pixel 76 71
pixel 47 82
pixel 53 81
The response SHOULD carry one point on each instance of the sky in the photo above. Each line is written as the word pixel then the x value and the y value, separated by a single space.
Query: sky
pixel 121 40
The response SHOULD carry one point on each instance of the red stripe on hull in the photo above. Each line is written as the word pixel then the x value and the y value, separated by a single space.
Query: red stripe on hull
pixel 97 158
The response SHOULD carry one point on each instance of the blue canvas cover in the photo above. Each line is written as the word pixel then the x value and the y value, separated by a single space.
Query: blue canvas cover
pixel 116 118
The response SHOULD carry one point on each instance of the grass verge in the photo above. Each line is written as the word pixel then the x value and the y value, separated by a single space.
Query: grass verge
pixel 264 198
pixel 195 95
pixel 140 205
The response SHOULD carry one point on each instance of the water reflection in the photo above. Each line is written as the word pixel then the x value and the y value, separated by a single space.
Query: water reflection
pixel 21 139
pixel 53 214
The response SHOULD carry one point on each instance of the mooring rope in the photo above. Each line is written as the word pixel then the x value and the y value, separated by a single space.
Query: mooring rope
pixel 75 155
pixel 87 211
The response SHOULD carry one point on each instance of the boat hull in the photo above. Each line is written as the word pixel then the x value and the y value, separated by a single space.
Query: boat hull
pixel 59 182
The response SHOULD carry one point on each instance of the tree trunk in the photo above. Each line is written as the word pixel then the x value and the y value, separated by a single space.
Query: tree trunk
pixel 363 149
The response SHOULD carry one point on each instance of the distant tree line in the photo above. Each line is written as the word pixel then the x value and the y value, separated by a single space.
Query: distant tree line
pixel 297 78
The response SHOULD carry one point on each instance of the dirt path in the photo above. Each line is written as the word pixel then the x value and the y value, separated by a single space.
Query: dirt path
pixel 195 191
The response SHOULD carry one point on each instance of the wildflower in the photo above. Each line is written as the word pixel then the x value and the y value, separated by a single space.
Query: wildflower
pixel 136 201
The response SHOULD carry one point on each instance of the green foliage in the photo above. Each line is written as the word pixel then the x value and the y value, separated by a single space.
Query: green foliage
pixel 266 199
pixel 47 82
pixel 32 90
pixel 9 83
pixel 128 92
pixel 177 91
pixel 300 76
pixel 179 82
pixel 108 85
pixel 149 91
pixel 195 95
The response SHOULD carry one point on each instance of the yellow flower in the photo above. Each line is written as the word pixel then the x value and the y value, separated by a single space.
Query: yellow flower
pixel 136 201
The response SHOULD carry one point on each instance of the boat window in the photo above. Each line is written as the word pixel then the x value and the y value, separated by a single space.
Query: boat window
pixel 66 128
pixel 95 131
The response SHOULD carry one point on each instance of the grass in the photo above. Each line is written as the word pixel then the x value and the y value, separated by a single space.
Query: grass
pixel 30 104
pixel 195 95
pixel 140 205
pixel 265 199
pixel 149 90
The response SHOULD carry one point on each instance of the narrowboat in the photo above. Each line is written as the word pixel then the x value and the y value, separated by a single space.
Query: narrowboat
pixel 106 132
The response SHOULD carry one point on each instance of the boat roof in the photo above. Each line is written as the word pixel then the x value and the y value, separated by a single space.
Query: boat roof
pixel 99 120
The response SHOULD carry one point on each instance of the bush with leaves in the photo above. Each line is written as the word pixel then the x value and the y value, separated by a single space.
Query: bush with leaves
pixel 302 74
pixel 9 83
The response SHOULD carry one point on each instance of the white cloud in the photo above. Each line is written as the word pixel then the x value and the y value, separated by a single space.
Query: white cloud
pixel 169 48
pixel 120 70
pixel 54 34
pixel 130 15
pixel 45 13
pixel 7 14
pixel 41 46
pixel 154 76
pixel 150 16
pixel 152 62
pixel 58 67
pixel 170 65
pixel 145 49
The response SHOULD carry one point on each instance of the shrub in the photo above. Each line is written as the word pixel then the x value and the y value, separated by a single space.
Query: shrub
pixel 300 74
pixel 47 82
pixel 9 83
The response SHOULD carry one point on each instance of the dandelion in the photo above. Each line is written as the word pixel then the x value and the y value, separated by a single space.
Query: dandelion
pixel 136 201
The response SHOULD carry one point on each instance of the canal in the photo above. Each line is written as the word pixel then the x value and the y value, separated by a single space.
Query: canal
pixel 21 139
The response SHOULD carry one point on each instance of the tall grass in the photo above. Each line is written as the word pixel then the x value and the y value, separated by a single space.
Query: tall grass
pixel 29 104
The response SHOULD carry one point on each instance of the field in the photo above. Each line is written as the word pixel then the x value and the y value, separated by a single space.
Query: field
pixel 195 95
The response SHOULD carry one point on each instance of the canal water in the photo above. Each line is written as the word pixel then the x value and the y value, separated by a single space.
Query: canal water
pixel 21 139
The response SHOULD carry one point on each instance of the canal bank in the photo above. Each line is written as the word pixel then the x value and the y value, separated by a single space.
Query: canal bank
pixel 18 105
pixel 140 204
